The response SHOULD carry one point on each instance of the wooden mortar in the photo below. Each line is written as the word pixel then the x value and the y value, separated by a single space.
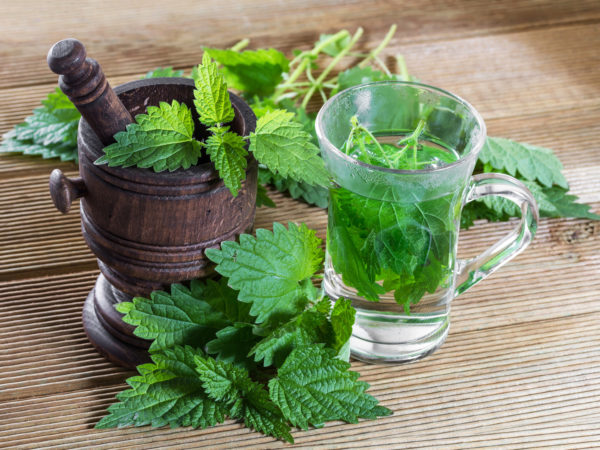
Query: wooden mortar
pixel 150 229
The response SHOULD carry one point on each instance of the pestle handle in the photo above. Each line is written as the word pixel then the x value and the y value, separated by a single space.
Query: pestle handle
pixel 83 81
pixel 65 190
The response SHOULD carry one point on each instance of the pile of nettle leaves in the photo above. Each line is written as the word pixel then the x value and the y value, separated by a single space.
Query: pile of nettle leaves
pixel 262 344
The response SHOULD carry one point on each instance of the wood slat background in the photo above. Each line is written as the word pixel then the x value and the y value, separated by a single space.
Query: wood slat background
pixel 521 366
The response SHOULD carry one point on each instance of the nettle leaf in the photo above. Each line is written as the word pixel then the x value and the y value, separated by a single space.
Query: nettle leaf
pixel 552 202
pixel 306 119
pixel 275 348
pixel 212 99
pixel 222 298
pixel 227 151
pixel 51 131
pixel 261 414
pixel 360 75
pixel 57 100
pixel 312 387
pixel 504 207
pixel 161 72
pixel 233 344
pixel 477 210
pixel 355 269
pixel 310 327
pixel 65 151
pixel 167 392
pixel 254 72
pixel 334 48
pixel 50 127
pixel 311 194
pixel 272 271
pixel 565 205
pixel 223 381
pixel 532 162
pixel 261 106
pixel 173 319
pixel 262 197
pixel 244 398
pixel 342 320
pixel 281 144
pixel 161 139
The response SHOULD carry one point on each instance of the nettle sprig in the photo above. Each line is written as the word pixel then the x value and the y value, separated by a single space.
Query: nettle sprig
pixel 262 345
pixel 163 138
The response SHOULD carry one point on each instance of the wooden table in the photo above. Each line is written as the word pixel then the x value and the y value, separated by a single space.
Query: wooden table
pixel 521 366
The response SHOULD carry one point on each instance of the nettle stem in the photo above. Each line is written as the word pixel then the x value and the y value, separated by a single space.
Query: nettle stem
pixel 241 45
pixel 372 55
pixel 401 64
pixel 377 144
pixel 321 45
pixel 303 60
pixel 412 142
pixel 358 128
pixel 330 67
pixel 383 66
pixel 302 64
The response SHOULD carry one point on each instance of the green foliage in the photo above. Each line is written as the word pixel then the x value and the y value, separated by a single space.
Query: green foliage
pixel 161 139
pixel 51 131
pixel 166 392
pixel 185 387
pixel 383 238
pixel 273 270
pixel 312 387
pixel 552 202
pixel 281 144
pixel 66 151
pixel 222 299
pixel 275 348
pixel 245 399
pixel 333 47
pixel 309 193
pixel 211 96
pixel 227 151
pixel 54 126
pixel 361 75
pixel 539 169
pixel 233 344
pixel 182 317
pixel 531 162
pixel 356 270
pixel 565 205
pixel 161 72
pixel 380 243
pixel 312 326
pixel 342 319
pixel 254 72
pixel 262 197
pixel 306 119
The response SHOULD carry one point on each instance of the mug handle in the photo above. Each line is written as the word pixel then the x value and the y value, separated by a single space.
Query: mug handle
pixel 472 271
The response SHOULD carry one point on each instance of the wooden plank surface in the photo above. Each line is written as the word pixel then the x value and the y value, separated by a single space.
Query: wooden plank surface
pixel 521 366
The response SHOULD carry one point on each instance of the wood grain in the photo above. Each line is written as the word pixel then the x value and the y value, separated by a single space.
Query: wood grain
pixel 521 366
pixel 175 38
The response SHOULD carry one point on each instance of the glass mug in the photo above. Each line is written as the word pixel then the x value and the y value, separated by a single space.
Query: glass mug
pixel 392 234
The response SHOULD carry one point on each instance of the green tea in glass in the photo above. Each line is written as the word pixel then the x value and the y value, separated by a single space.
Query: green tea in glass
pixel 401 156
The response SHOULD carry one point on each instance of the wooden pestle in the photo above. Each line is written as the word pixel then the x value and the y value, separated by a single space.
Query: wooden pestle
pixel 83 81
